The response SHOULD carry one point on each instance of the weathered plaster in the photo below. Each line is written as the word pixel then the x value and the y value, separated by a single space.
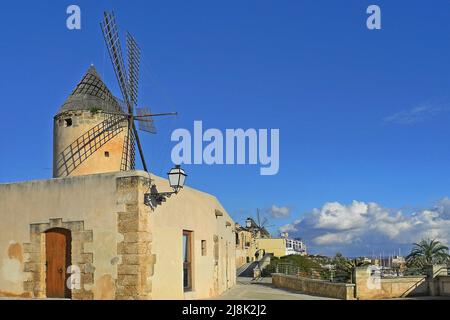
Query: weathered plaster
pixel 126 249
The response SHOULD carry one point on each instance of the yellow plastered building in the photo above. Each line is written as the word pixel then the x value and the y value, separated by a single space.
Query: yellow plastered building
pixel 89 232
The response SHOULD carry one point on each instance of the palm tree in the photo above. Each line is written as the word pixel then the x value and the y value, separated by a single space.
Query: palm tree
pixel 427 253
pixel 348 264
pixel 344 267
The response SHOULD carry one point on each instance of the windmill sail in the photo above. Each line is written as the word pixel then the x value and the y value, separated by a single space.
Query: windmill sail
pixel 111 35
pixel 129 152
pixel 145 120
pixel 134 59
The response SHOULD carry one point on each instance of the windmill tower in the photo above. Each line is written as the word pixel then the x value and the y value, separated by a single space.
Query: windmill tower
pixel 258 227
pixel 95 132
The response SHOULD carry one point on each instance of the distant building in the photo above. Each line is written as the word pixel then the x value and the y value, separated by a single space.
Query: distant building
pixel 245 246
pixel 258 231
pixel 398 261
pixel 253 242
pixel 295 246
pixel 365 260
pixel 281 247
pixel 390 262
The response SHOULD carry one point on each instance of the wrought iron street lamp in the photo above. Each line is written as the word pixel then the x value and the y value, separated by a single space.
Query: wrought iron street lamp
pixel 177 177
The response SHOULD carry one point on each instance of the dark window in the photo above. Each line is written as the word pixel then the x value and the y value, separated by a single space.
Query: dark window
pixel 187 260
pixel 203 247
pixel 68 122
pixel 106 154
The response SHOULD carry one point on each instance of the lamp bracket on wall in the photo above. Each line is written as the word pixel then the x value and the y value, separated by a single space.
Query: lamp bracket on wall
pixel 177 177
pixel 155 198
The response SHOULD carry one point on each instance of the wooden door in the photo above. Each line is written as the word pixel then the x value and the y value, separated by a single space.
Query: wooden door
pixel 57 250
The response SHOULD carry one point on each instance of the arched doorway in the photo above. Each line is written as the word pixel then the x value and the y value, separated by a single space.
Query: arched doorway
pixel 58 259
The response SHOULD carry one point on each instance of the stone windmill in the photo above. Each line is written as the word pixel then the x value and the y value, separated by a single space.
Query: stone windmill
pixel 95 132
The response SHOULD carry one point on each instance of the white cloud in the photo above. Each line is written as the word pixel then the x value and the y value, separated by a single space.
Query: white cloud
pixel 344 238
pixel 359 227
pixel 340 217
pixel 279 212
pixel 290 227
pixel 415 115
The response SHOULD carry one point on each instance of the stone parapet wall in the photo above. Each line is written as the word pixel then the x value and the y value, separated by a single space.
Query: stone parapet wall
pixel 443 285
pixel 315 287
pixel 369 287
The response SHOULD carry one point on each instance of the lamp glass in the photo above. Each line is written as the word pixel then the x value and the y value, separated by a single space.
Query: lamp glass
pixel 182 179
pixel 177 177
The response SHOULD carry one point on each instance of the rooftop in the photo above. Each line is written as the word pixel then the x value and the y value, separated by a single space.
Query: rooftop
pixel 91 93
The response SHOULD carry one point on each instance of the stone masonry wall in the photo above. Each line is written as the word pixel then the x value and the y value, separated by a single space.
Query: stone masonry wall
pixel 81 256
pixel 136 266
pixel 385 288
pixel 315 287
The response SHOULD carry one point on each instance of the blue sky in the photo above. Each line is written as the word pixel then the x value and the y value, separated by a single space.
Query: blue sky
pixel 363 115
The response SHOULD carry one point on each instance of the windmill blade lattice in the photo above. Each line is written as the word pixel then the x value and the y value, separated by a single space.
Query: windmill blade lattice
pixel 129 152
pixel 145 120
pixel 134 59
pixel 111 35
pixel 129 85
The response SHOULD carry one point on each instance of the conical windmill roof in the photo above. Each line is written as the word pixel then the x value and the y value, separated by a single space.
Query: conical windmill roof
pixel 91 93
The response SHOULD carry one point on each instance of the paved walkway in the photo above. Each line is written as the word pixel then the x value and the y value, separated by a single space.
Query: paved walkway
pixel 263 290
